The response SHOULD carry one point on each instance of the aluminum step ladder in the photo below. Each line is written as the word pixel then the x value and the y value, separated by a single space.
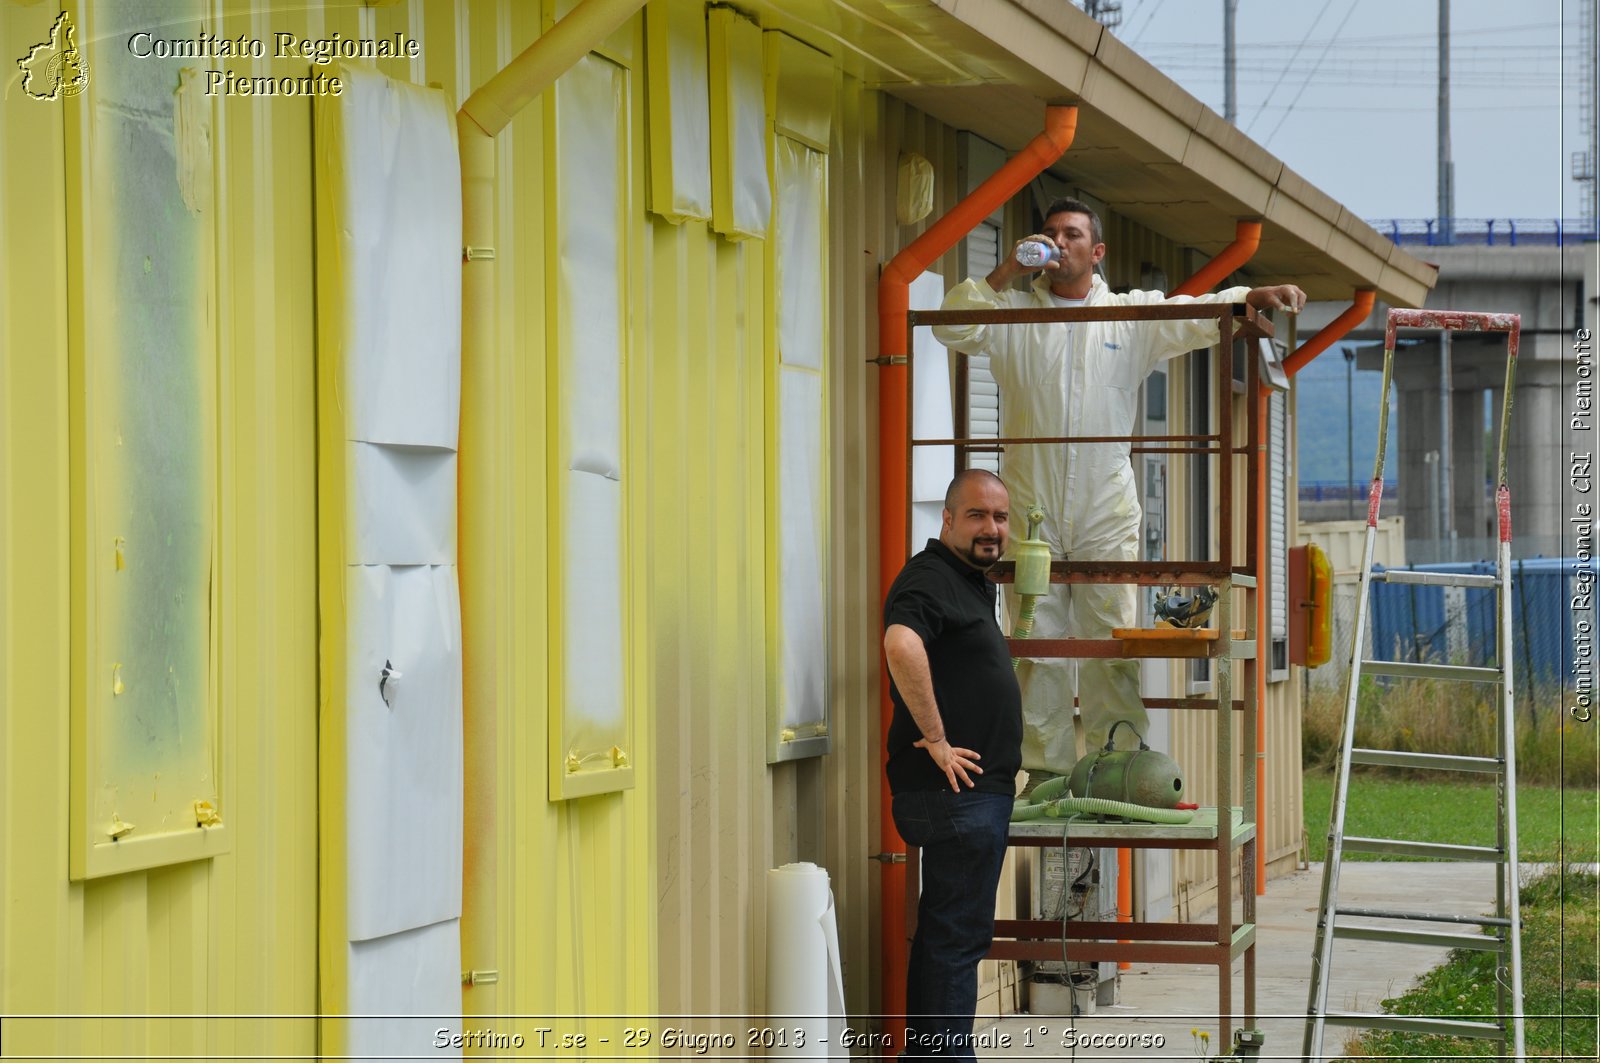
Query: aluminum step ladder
pixel 1502 933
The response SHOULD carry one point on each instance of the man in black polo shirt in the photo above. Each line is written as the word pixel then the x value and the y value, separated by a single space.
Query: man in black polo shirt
pixel 955 744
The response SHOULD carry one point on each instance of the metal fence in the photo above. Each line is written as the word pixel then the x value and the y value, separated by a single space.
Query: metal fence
pixel 1342 490
pixel 1414 622
pixel 1486 232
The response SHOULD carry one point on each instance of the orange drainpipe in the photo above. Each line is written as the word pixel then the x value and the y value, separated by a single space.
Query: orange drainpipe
pixel 1246 238
pixel 894 302
pixel 1361 302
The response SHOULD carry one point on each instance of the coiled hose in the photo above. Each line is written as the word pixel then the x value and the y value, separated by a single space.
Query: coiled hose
pixel 1047 800
pixel 1024 626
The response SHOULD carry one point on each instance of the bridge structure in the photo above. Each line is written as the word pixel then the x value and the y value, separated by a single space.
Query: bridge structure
pixel 1441 381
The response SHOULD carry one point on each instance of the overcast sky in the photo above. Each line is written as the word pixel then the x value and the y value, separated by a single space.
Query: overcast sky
pixel 1345 91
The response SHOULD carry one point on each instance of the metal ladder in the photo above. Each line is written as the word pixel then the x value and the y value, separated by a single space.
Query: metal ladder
pixel 1503 930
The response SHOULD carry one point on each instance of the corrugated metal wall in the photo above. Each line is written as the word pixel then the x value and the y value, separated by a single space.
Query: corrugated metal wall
pixel 559 901
pixel 236 933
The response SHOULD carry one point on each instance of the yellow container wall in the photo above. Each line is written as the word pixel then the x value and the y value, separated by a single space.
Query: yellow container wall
pixel 235 933
pixel 558 898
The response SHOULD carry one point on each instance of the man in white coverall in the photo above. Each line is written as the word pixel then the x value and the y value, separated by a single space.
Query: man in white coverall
pixel 1079 379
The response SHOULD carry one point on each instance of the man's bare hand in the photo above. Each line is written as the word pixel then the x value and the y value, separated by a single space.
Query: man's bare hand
pixel 954 761
pixel 1277 297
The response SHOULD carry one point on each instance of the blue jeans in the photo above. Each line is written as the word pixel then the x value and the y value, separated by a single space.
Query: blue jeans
pixel 963 842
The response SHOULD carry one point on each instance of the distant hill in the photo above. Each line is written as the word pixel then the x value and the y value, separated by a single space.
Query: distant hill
pixel 1322 417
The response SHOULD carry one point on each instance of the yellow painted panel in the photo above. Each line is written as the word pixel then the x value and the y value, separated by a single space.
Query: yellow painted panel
pixel 678 106
pixel 741 201
pixel 40 961
pixel 800 90
pixel 333 487
pixel 146 788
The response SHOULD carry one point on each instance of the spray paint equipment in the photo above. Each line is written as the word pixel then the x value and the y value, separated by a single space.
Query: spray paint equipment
pixel 1185 608
pixel 1142 776
pixel 1032 578
pixel 1139 784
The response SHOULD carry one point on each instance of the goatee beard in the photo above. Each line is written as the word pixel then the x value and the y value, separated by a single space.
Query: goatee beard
pixel 978 561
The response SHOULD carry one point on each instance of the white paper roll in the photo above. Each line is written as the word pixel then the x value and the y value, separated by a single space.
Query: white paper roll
pixel 805 986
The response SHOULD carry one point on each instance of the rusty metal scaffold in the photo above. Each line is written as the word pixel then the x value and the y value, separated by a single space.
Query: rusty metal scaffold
pixel 1228 938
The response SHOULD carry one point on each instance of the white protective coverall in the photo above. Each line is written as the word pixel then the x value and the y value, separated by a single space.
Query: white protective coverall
pixel 1087 491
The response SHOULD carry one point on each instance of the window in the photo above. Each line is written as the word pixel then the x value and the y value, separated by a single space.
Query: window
pixel 1198 470
pixel 145 443
pixel 1277 544
pixel 591 733
pixel 982 393
pixel 798 583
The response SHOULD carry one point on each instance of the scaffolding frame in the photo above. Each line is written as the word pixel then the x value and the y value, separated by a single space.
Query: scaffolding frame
pixel 1220 942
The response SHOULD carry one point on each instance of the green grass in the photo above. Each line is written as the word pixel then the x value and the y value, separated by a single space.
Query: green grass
pixel 1560 973
pixel 1554 824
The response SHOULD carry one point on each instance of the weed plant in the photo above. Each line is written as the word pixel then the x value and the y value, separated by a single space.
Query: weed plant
pixel 1427 716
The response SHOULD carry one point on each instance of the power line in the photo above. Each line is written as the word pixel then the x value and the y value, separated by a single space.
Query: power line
pixel 1309 30
pixel 1381 41
pixel 1345 77
pixel 1148 22
pixel 1348 12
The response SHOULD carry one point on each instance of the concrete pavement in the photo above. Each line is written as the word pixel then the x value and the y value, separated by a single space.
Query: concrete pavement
pixel 1159 1005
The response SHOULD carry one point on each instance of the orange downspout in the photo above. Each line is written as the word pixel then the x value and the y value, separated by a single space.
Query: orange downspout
pixel 1360 306
pixel 1361 302
pixel 894 302
pixel 482 116
pixel 1246 238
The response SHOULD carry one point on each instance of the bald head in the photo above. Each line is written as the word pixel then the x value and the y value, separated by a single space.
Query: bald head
pixel 964 479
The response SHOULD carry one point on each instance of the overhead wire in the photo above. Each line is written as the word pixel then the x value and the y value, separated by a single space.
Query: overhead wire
pixel 1384 40
pixel 1288 65
pixel 1148 22
pixel 1313 73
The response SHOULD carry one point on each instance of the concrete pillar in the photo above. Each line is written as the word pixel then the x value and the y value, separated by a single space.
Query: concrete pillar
pixel 1538 460
pixel 1473 501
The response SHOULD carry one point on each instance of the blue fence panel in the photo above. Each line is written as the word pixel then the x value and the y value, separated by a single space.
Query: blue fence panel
pixel 1413 622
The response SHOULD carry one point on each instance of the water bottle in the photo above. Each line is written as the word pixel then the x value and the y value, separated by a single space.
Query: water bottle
pixel 1036 253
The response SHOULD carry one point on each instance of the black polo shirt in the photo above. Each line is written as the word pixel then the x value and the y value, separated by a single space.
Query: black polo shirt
pixel 951 605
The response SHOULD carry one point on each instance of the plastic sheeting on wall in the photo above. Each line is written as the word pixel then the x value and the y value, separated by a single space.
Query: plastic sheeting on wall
pixel 805 981
pixel 402 505
pixel 932 417
pixel 800 266
pixel 741 198
pixel 402 975
pixel 404 713
pixel 589 720
pixel 679 106
pixel 398 251
pixel 393 308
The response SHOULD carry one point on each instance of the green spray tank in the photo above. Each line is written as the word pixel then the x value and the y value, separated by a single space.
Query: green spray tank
pixel 1142 784
pixel 1142 776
